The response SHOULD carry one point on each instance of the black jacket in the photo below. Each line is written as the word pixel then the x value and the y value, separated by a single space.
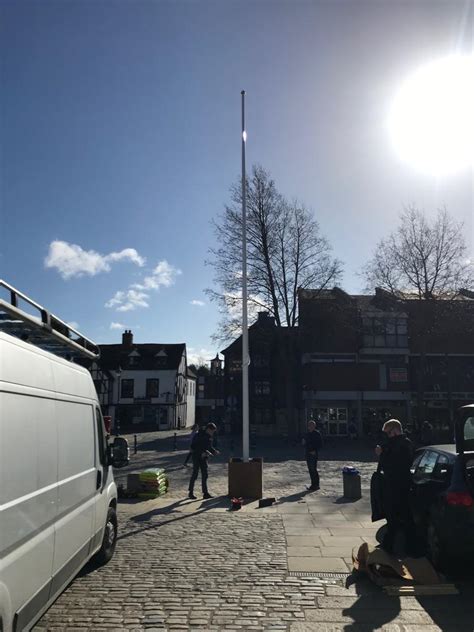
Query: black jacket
pixel 202 442
pixel 395 462
pixel 313 442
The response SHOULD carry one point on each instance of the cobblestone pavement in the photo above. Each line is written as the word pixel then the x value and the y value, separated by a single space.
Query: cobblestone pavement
pixel 183 565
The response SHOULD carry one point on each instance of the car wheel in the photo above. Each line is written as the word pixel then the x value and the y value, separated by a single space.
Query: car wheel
pixel 436 548
pixel 109 541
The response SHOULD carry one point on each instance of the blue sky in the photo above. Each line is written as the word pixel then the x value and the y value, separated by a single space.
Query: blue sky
pixel 120 137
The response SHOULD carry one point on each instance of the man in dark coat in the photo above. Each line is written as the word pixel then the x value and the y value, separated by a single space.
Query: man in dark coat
pixel 313 442
pixel 395 460
pixel 202 449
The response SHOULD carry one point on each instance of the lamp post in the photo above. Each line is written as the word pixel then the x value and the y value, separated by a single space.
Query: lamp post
pixel 245 332
pixel 118 373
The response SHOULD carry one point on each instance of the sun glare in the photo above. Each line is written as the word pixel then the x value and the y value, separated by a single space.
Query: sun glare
pixel 432 118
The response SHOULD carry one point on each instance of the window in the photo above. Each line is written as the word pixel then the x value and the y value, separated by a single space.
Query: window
pixel 331 421
pixel 201 391
pixel 259 360
pixel 126 388
pixel 426 465
pixel 385 332
pixel 152 388
pixel 442 468
pixel 102 442
pixel 263 416
pixel 235 366
pixel 262 388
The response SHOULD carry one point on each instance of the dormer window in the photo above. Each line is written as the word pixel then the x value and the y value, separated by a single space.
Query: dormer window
pixel 161 358
pixel 133 358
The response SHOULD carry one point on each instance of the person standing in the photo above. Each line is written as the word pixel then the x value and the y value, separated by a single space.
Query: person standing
pixel 202 449
pixel 395 460
pixel 313 442
pixel 194 432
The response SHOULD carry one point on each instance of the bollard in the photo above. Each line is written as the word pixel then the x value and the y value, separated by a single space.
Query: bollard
pixel 135 443
pixel 175 442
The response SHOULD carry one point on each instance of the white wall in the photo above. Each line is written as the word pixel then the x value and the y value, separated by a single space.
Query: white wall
pixel 167 384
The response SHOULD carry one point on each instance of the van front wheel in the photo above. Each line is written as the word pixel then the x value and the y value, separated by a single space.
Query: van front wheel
pixel 109 541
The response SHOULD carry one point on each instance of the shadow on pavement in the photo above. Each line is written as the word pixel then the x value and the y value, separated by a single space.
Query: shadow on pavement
pixel 292 498
pixel 373 609
pixel 206 505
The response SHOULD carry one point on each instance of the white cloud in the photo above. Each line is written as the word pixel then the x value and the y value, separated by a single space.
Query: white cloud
pixel 70 260
pixel 138 294
pixel 127 253
pixel 164 274
pixel 199 356
pixel 234 306
pixel 116 326
pixel 196 302
pixel 128 300
pixel 73 324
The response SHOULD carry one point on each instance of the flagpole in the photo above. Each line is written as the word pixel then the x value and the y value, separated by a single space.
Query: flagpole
pixel 245 331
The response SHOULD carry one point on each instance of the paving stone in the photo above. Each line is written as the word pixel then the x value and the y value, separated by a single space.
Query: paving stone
pixel 315 564
pixel 303 551
pixel 303 540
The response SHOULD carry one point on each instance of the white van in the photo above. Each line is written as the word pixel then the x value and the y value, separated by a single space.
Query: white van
pixel 58 498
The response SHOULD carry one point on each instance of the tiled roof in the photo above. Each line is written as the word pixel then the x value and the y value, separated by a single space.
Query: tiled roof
pixel 113 356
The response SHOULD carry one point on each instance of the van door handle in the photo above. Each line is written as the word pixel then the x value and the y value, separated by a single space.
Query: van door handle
pixel 99 479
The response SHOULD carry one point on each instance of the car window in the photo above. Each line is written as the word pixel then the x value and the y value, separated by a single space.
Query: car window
pixel 416 461
pixel 426 465
pixel 442 468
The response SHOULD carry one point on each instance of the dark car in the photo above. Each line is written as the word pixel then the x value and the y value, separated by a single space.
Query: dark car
pixel 442 496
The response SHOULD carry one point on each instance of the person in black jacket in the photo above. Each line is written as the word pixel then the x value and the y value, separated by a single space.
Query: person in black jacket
pixel 395 460
pixel 202 449
pixel 313 442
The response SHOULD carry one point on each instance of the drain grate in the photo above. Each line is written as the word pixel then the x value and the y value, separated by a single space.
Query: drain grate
pixel 318 575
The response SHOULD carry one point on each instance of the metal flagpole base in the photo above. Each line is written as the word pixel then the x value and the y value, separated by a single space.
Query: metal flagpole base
pixel 246 478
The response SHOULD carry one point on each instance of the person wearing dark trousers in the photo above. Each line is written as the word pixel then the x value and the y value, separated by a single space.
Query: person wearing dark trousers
pixel 202 449
pixel 395 460
pixel 313 442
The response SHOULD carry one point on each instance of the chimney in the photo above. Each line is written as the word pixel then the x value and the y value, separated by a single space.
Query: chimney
pixel 127 339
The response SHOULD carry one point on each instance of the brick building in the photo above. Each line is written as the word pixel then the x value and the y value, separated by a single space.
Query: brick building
pixel 274 380
pixel 368 358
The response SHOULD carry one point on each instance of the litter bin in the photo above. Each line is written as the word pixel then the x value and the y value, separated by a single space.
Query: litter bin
pixel 351 483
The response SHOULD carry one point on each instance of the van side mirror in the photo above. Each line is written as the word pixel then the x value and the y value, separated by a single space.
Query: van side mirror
pixel 119 453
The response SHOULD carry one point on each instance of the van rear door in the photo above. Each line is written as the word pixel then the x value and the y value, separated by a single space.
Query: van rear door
pixel 464 437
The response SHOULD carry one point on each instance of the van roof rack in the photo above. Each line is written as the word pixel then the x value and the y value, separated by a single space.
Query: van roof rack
pixel 41 328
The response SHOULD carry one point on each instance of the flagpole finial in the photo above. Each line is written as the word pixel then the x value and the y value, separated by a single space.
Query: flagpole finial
pixel 242 92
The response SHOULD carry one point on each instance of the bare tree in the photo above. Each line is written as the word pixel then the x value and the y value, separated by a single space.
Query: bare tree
pixel 285 251
pixel 422 259
pixel 423 265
